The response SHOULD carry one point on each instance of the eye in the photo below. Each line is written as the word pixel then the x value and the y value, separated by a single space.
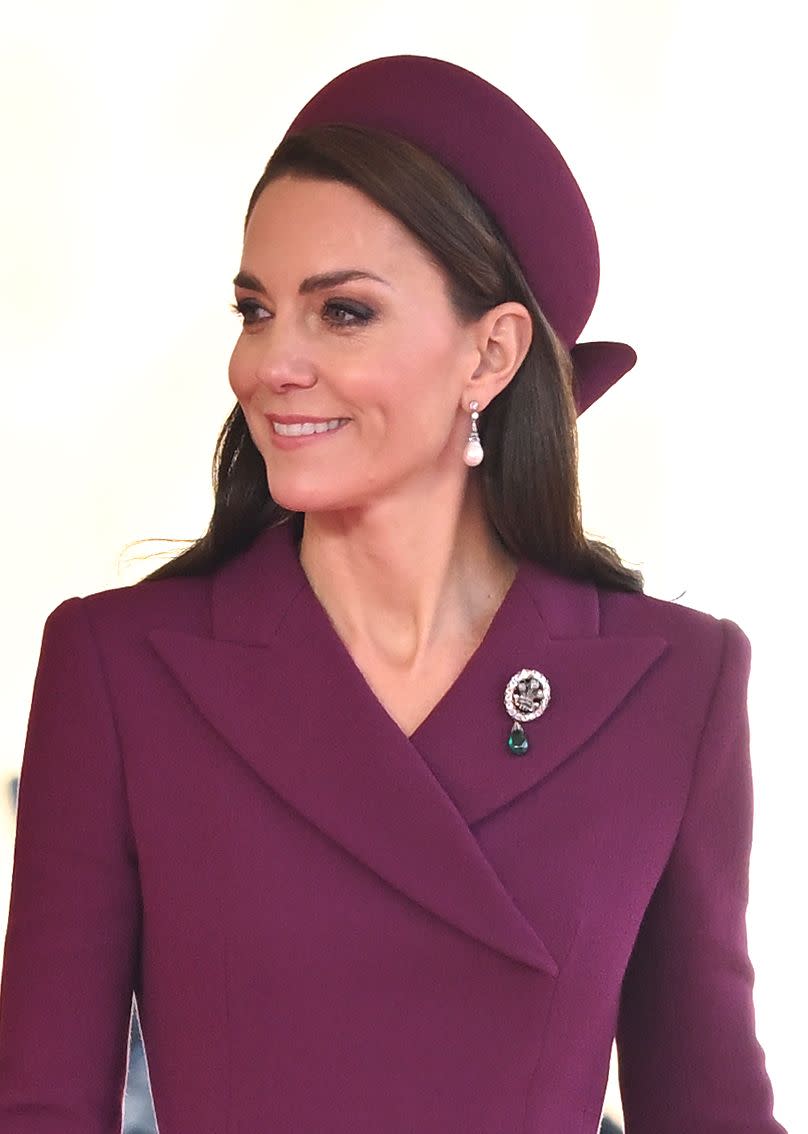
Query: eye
pixel 344 314
pixel 250 310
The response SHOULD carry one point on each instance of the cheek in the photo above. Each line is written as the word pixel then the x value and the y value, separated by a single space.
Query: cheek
pixel 417 378
pixel 427 392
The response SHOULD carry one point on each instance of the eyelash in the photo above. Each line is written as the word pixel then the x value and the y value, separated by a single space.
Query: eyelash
pixel 361 315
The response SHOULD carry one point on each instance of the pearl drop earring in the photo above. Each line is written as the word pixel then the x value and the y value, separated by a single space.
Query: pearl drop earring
pixel 473 453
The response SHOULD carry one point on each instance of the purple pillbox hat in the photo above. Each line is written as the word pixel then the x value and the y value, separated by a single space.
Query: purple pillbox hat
pixel 482 136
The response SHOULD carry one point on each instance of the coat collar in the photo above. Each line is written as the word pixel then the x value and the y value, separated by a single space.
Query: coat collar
pixel 278 685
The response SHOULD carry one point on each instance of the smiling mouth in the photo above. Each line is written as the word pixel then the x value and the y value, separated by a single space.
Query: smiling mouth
pixel 303 428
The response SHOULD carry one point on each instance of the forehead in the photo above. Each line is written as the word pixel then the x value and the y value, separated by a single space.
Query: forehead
pixel 316 224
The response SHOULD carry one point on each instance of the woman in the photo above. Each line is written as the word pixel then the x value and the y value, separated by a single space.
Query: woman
pixel 274 789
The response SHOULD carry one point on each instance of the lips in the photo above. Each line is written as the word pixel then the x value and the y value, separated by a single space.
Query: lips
pixel 292 430
pixel 305 428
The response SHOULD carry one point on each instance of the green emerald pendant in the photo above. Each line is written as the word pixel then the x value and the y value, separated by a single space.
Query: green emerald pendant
pixel 517 740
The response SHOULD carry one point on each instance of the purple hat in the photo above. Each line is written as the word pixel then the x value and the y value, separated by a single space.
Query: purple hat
pixel 488 142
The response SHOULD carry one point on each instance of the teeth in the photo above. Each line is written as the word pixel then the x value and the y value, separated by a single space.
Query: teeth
pixel 303 428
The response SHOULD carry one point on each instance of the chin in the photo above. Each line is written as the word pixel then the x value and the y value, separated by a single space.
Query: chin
pixel 300 497
pixel 333 490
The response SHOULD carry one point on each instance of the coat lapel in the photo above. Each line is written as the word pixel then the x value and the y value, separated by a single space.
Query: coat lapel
pixel 277 684
pixel 547 623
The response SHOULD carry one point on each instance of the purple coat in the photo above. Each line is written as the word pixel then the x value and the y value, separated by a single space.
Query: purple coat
pixel 332 928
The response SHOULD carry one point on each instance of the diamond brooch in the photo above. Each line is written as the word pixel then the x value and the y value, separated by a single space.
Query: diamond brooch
pixel 527 695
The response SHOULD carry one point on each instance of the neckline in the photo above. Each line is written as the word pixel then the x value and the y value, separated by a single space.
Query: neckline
pixel 460 678
pixel 253 592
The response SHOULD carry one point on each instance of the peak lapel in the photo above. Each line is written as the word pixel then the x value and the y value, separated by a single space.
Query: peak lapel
pixel 277 684
pixel 291 702
pixel 547 623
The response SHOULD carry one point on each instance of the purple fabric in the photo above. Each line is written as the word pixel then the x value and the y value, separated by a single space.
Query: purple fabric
pixel 336 929
pixel 512 167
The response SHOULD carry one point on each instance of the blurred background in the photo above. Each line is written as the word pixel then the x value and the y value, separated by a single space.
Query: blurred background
pixel 131 137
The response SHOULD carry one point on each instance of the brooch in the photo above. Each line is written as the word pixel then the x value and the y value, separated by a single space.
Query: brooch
pixel 527 695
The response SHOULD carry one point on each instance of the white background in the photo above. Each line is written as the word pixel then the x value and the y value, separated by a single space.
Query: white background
pixel 131 138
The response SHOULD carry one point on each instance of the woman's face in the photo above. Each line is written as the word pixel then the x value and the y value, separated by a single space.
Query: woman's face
pixel 351 387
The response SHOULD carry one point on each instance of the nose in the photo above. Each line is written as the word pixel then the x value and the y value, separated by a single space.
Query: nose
pixel 275 357
pixel 281 370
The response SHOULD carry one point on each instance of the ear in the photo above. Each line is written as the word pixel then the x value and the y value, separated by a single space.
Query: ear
pixel 503 337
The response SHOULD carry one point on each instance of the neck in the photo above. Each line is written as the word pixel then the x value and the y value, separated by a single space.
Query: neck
pixel 394 579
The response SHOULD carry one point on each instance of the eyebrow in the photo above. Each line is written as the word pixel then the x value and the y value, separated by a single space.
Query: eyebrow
pixel 313 283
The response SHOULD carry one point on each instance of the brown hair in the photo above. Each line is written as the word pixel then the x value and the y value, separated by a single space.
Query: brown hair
pixel 530 471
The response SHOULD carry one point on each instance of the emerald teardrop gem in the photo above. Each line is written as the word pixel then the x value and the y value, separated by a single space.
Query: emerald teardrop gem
pixel 517 740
